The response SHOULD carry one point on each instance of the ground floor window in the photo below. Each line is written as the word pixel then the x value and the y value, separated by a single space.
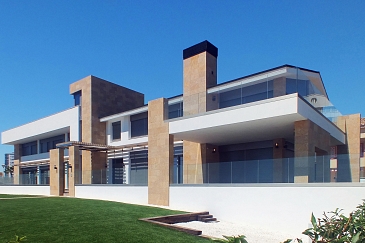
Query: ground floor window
pixel 118 171
pixel 139 167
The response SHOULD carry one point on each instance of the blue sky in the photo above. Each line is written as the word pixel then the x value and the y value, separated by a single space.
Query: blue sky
pixel 46 45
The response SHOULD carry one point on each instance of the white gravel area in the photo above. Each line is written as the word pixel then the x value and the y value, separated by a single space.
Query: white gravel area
pixel 253 234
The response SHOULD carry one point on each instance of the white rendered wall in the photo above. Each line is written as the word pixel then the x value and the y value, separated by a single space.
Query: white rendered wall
pixel 125 137
pixel 276 207
pixel 25 190
pixel 62 122
pixel 126 194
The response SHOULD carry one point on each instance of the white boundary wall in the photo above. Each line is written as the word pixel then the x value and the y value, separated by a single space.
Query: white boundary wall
pixel 26 190
pixel 277 207
pixel 118 193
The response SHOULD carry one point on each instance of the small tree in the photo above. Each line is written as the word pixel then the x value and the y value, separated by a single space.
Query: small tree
pixel 9 170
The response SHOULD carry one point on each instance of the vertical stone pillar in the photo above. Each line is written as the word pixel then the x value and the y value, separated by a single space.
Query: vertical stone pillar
pixel 160 153
pixel 311 140
pixel 200 73
pixel 57 172
pixel 74 171
pixel 348 162
pixel 278 155
pixel 17 172
pixel 303 152
pixel 17 160
pixel 86 167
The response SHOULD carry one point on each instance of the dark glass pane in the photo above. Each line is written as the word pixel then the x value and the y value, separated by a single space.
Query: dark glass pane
pixel 291 86
pixel 175 110
pixel 139 167
pixel 230 98
pixel 116 126
pixel 302 87
pixel 50 143
pixel 77 98
pixel 139 127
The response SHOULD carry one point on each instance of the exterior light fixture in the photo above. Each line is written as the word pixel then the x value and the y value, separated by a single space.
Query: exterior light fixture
pixel 214 150
pixel 276 145
pixel 55 167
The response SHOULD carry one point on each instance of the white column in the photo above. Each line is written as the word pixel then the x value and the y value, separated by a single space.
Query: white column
pixel 38 175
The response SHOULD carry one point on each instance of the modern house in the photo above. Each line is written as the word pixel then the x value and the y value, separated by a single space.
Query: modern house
pixel 275 126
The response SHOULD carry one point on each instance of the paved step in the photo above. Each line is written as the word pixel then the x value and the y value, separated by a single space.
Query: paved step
pixel 206 217
pixel 206 220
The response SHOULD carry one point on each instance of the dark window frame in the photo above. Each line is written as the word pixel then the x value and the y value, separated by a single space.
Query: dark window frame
pixel 116 130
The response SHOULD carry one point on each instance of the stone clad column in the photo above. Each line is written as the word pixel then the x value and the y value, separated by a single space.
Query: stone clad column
pixel 17 168
pixel 160 153
pixel 57 172
pixel 311 140
pixel 200 73
pixel 74 171
pixel 348 161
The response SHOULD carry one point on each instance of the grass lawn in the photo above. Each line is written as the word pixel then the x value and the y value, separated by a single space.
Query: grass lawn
pixel 58 219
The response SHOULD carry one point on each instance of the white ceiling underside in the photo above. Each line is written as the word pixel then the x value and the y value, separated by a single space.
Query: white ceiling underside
pixel 258 121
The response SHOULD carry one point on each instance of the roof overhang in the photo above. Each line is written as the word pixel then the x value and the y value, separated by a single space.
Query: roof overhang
pixel 257 121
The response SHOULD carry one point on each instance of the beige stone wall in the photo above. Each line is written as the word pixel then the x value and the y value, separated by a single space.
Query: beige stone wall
pixel 350 125
pixel 57 176
pixel 74 172
pixel 100 98
pixel 160 153
pixel 17 172
pixel 309 139
pixel 200 73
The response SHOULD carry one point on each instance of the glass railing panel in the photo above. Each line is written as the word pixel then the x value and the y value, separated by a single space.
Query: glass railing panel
pixel 314 169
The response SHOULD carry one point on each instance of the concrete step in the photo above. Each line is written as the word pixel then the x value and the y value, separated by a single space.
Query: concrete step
pixel 209 220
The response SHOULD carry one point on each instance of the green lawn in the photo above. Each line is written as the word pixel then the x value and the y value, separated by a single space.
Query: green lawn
pixel 57 219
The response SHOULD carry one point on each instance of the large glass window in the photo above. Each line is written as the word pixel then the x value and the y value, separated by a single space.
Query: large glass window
pixel 116 126
pixel 118 171
pixel 139 167
pixel 297 86
pixel 139 125
pixel 77 98
pixel 50 143
pixel 175 110
pixel 29 148
pixel 243 95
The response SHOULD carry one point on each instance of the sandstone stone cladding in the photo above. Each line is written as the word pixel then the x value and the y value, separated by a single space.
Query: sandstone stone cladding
pixel 74 171
pixel 310 140
pixel 350 165
pixel 57 172
pixel 160 153
pixel 200 73
pixel 100 98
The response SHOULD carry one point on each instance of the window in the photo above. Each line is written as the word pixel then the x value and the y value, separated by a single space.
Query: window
pixel 116 126
pixel 361 150
pixel 77 98
pixel 29 148
pixel 139 125
pixel 175 110
pixel 139 167
pixel 50 143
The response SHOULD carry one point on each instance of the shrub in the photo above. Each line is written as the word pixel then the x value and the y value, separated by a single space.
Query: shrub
pixel 337 228
pixel 232 239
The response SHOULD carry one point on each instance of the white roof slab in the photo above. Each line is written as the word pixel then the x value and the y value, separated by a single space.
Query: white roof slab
pixel 261 120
